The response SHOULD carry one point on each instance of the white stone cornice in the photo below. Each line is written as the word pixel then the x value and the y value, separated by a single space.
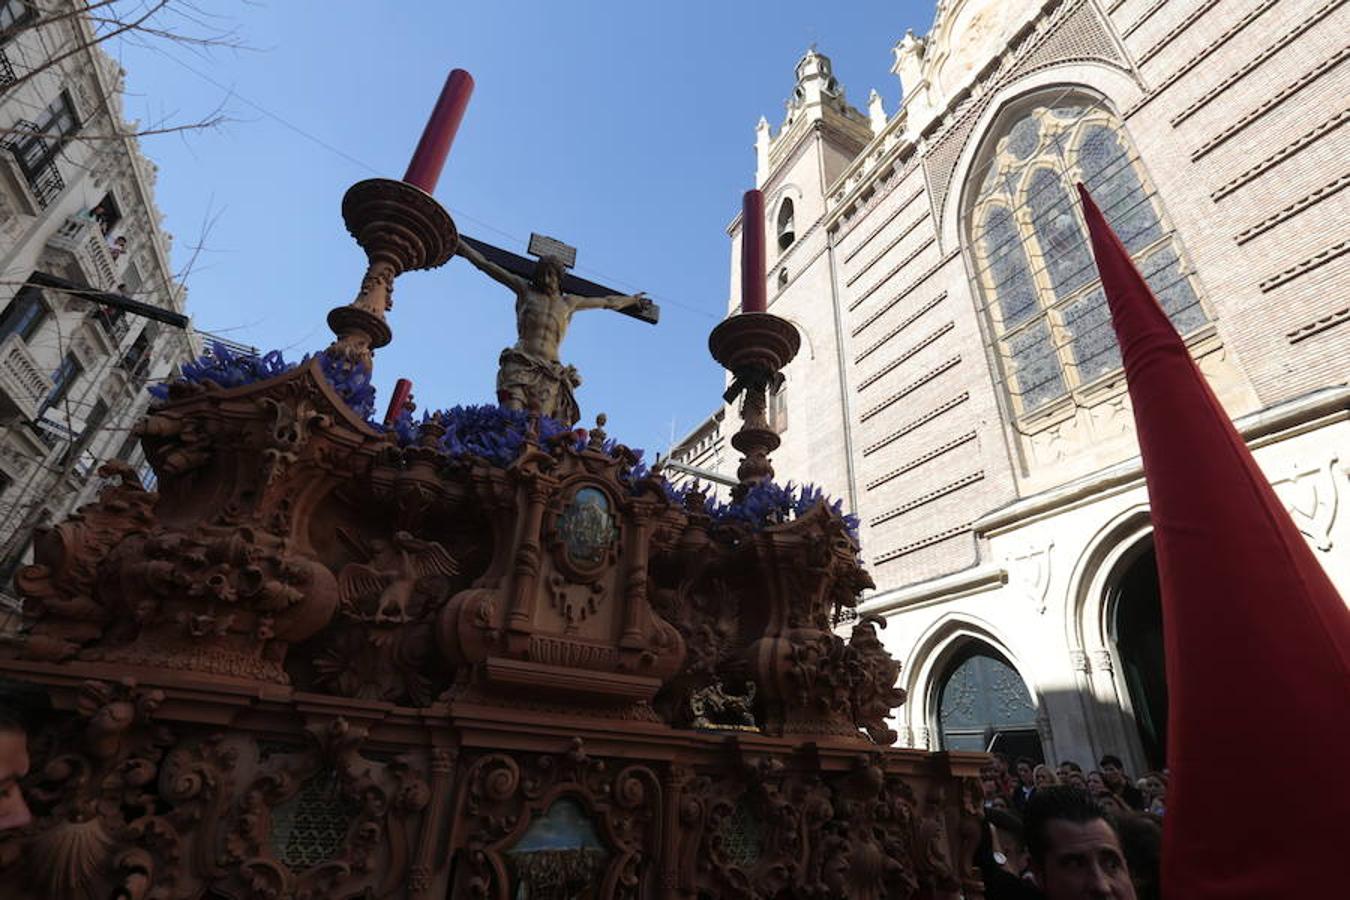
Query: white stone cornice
pixel 974 580
pixel 1265 426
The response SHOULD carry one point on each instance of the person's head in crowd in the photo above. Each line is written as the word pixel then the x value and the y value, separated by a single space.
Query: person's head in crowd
pixel 1141 842
pixel 1113 771
pixel 1042 777
pixel 1025 768
pixel 998 801
pixel 1002 765
pixel 1154 787
pixel 1111 803
pixel 1096 784
pixel 1077 779
pixel 14 812
pixel 989 783
pixel 1065 767
pixel 1075 851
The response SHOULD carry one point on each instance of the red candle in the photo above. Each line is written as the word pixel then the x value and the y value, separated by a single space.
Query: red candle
pixel 398 400
pixel 754 294
pixel 429 157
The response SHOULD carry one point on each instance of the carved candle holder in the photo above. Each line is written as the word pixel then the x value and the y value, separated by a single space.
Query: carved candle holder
pixel 754 347
pixel 401 227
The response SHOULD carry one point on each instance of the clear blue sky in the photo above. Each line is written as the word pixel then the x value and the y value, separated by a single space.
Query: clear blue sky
pixel 623 128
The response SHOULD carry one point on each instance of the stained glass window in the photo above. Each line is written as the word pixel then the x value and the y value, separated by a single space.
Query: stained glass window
pixel 1016 293
pixel 1032 257
pixel 1094 341
pixel 1062 241
pixel 1024 137
pixel 1035 366
pixel 1109 174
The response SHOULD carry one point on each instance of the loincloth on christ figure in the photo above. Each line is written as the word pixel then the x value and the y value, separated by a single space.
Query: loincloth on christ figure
pixel 529 382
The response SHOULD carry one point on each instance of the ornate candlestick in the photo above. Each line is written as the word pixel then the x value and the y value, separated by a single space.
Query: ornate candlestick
pixel 754 346
pixel 400 227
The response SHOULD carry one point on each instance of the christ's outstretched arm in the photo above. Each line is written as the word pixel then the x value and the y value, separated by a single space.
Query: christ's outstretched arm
pixel 614 301
pixel 490 269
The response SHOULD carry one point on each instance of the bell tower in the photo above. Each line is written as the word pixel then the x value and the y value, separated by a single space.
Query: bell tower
pixel 795 166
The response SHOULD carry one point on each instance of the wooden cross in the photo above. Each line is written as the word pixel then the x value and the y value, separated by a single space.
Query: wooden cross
pixel 571 284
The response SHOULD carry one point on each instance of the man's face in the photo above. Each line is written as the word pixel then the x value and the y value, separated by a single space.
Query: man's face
pixel 1083 862
pixel 1114 775
pixel 14 812
pixel 1024 773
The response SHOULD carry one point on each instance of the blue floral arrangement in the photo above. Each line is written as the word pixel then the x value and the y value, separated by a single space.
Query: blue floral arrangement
pixel 222 366
pixel 228 369
pixel 496 434
pixel 352 383
pixel 769 503
pixel 487 431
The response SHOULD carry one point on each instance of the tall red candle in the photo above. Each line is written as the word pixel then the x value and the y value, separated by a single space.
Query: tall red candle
pixel 398 400
pixel 429 157
pixel 754 295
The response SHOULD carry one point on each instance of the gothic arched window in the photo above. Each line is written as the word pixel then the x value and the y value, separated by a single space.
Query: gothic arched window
pixel 786 230
pixel 1031 254
pixel 983 704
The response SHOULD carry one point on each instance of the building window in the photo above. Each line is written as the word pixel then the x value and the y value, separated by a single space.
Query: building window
pixel 14 14
pixel 37 149
pixel 92 423
pixel 782 278
pixel 106 213
pixel 136 361
pixel 984 706
pixel 787 232
pixel 62 379
pixel 25 313
pixel 1033 263
pixel 778 411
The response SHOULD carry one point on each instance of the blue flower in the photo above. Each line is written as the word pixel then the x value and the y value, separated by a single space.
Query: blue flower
pixel 768 503
pixel 225 368
pixel 493 433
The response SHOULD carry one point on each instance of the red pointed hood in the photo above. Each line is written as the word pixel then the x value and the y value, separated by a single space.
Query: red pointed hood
pixel 1257 638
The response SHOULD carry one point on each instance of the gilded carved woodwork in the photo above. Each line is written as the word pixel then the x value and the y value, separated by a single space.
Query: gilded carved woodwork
pixel 328 659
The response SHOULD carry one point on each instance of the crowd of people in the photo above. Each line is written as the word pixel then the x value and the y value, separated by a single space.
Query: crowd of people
pixel 1063 834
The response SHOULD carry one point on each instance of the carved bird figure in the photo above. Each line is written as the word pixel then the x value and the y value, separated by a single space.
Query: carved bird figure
pixel 388 589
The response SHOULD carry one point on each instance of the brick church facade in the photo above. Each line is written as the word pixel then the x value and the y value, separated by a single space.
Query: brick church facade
pixel 959 384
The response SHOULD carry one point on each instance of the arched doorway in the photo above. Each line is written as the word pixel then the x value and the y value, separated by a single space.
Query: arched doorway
pixel 1139 643
pixel 983 704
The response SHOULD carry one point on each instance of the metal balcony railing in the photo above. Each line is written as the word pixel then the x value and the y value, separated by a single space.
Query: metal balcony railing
pixel 7 76
pixel 44 181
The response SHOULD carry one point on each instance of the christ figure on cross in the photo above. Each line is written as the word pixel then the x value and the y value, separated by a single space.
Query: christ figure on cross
pixel 530 375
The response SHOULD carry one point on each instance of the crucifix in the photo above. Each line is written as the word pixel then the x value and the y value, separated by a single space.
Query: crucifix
pixel 530 375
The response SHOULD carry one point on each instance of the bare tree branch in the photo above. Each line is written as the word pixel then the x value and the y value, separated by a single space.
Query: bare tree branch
pixel 110 25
